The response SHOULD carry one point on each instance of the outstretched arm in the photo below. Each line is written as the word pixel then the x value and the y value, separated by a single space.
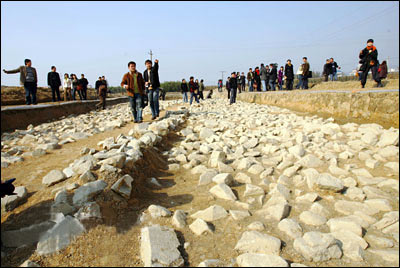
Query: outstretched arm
pixel 13 71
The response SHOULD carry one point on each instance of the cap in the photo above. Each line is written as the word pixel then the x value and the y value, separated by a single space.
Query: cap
pixel 370 41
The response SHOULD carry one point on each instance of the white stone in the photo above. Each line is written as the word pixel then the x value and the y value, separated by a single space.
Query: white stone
pixel 260 260
pixel 199 226
pixel 223 191
pixel 325 181
pixel 242 178
pixel 179 219
pixel 53 177
pixel 312 219
pixel 239 214
pixel 256 226
pixel 158 211
pixel 123 186
pixel 206 177
pixel 343 223
pixel 297 151
pixel 252 190
pixel 211 213
pixel 291 228
pixel 223 178
pixel 388 138
pixel 88 211
pixel 256 242
pixel 88 191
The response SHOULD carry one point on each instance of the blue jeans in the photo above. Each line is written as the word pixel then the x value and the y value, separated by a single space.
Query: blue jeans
pixel 300 83
pixel 334 76
pixel 185 97
pixel 250 85
pixel 280 85
pixel 195 97
pixel 30 89
pixel 264 85
pixel 136 106
pixel 272 85
pixel 233 95
pixel 305 82
pixel 74 90
pixel 153 101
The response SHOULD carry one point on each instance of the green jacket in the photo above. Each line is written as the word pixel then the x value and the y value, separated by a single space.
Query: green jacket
pixel 22 71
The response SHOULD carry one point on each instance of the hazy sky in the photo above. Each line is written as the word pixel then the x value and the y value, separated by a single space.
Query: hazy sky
pixel 191 38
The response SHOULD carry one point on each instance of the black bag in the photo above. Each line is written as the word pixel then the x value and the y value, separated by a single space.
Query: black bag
pixel 145 100
pixel 309 75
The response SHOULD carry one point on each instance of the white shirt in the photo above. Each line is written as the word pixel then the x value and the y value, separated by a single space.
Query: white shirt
pixel 67 83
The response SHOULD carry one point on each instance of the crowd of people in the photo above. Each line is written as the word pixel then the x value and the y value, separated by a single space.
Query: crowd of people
pixel 195 89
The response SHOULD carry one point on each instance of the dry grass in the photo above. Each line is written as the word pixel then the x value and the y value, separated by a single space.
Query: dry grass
pixel 355 85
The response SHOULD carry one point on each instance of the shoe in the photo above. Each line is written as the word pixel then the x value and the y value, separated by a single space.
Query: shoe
pixel 362 86
pixel 153 118
pixel 140 121
pixel 135 121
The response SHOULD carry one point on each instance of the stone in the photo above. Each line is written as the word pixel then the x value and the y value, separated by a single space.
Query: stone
pixel 307 198
pixel 173 167
pixel 87 177
pixel 335 170
pixel 159 247
pixel 123 186
pixel 53 177
pixel 256 226
pixel 216 157
pixel 211 263
pixel 344 223
pixel 370 138
pixel 211 213
pixel 256 169
pixel 252 190
pixel 68 172
pixel 355 193
pixel 199 226
pixel 280 190
pixel 181 158
pixel 378 241
pixel 59 236
pixel 9 202
pixel 179 219
pixel 61 197
pixel 278 211
pixel 64 208
pixel 310 161
pixel 88 211
pixel 38 152
pixel 389 151
pixel 242 178
pixel 29 263
pixel 199 169
pixel 311 218
pixel 87 191
pixel 371 163
pixel 388 138
pixel 206 133
pixel 223 178
pixel 291 228
pixel 260 260
pixel 251 143
pixel 239 214
pixel 327 182
pixel 361 172
pixel 388 219
pixel 297 151
pixel 158 211
pixel 379 204
pixel 388 255
pixel 207 177
pixel 223 168
pixel 394 166
pixel 117 161
pixel 256 242
pixel 223 191
pixel 317 247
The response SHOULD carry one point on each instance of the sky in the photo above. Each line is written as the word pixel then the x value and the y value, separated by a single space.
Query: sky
pixel 198 39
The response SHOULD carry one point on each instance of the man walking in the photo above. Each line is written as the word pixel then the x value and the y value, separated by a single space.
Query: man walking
pixel 369 61
pixel 250 78
pixel 273 75
pixel 327 70
pixel 28 79
pixel 102 92
pixel 152 83
pixel 334 68
pixel 133 82
pixel 193 90
pixel 289 75
pixel 84 82
pixel 263 78
pixel 54 82
pixel 306 73
pixel 233 87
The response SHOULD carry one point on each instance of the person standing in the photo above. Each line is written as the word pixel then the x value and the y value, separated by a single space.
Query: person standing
pixel 67 87
pixel 98 84
pixel 280 77
pixel 243 81
pixel 75 89
pixel 201 89
pixel 263 78
pixel 268 77
pixel 239 84
pixel 257 78
pixel 54 82
pixel 184 90
pixel 233 87
pixel 273 75
pixel 220 85
pixel 102 92
pixel 228 87
pixel 299 74
pixel 27 78
pixel 152 83
pixel 334 68
pixel 306 73
pixel 289 75
pixel 383 70
pixel 84 82
pixel 193 90
pixel 369 60
pixel 327 70
pixel 134 84
pixel 250 79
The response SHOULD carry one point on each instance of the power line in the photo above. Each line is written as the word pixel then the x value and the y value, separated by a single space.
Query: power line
pixel 222 72
pixel 151 55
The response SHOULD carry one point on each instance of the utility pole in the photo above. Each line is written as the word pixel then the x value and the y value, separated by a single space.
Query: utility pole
pixel 222 72
pixel 151 55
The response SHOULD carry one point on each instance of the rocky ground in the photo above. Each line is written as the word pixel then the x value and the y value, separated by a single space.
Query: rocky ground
pixel 206 185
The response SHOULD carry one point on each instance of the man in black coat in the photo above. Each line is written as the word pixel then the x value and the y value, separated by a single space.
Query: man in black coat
pixel 84 82
pixel 54 82
pixel 289 75
pixel 233 87
pixel 369 61
pixel 152 84
pixel 228 87
pixel 273 75
pixel 327 70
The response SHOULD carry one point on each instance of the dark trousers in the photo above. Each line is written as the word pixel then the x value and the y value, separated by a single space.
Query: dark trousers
pixel 84 93
pixel 201 96
pixel 305 82
pixel 30 90
pixel 326 76
pixel 239 88
pixel 233 95
pixel 102 102
pixel 229 93
pixel 55 90
pixel 289 84
pixel 375 75
pixel 135 103
pixel 74 90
